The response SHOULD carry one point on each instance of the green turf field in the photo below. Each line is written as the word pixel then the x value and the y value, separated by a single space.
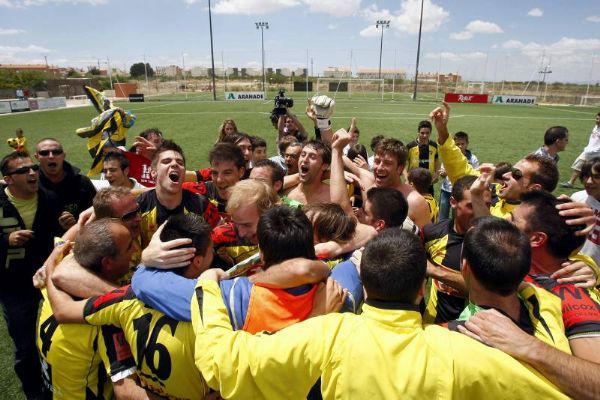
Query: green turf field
pixel 497 132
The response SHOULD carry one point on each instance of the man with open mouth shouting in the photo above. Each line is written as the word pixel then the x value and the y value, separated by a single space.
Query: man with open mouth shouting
pixel 315 159
pixel 168 197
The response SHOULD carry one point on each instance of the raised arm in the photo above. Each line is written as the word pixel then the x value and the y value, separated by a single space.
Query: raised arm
pixel 337 182
pixel 455 162
pixel 78 281
pixel 298 124
pixel 64 308
pixel 440 116
pixel 479 188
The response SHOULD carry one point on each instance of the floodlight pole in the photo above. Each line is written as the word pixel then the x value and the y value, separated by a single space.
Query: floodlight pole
pixel 212 54
pixel 146 74
pixel 418 53
pixel 262 25
pixel 383 24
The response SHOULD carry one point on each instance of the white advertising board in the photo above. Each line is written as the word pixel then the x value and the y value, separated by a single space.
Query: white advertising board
pixel 519 100
pixel 237 96
pixel 4 107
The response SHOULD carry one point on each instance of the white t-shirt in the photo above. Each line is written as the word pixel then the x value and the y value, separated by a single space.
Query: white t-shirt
pixel 594 143
pixel 592 244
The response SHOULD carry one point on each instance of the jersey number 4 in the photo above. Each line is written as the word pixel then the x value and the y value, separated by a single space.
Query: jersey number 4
pixel 47 329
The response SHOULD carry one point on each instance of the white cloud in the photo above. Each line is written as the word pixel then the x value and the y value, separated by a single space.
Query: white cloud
pixel 33 3
pixel 593 18
pixel 10 31
pixel 464 35
pixel 252 7
pixel 535 12
pixel 332 27
pixel 338 8
pixel 476 55
pixel 15 54
pixel 564 47
pixel 477 26
pixel 406 19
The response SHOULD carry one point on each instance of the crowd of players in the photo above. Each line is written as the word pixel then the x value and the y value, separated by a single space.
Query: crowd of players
pixel 215 282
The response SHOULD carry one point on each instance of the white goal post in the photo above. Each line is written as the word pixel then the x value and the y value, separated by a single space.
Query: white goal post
pixel 595 100
pixel 357 87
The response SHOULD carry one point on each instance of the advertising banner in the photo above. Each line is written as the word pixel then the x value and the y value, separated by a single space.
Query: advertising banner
pixel 4 107
pixel 33 104
pixel 235 96
pixel 519 100
pixel 465 98
pixel 19 105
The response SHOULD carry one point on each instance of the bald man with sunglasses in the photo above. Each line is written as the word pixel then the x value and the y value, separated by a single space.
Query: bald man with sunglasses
pixel 28 223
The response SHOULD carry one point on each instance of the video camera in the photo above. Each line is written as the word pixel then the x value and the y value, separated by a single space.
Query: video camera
pixel 282 103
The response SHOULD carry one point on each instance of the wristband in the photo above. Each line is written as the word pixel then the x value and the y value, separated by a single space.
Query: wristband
pixel 324 123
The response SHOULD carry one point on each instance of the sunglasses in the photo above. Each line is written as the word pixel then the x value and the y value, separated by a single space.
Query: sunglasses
pixel 130 215
pixel 517 174
pixel 46 153
pixel 25 169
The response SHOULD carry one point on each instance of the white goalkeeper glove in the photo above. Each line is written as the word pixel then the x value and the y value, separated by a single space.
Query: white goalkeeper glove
pixel 323 107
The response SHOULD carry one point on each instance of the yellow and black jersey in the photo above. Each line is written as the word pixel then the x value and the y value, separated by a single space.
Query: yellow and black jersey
pixel 443 246
pixel 540 316
pixel 154 213
pixel 229 247
pixel 422 156
pixel 209 190
pixel 77 359
pixel 163 348
pixel 434 210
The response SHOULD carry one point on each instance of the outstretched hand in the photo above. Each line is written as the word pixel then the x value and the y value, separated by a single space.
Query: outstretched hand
pixel 440 116
pixel 340 139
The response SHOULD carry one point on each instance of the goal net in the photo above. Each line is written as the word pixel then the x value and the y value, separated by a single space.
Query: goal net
pixel 351 88
pixel 588 100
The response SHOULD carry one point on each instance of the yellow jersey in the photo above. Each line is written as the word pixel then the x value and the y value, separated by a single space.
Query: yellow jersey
pixel 76 358
pixel 422 155
pixel 163 348
pixel 383 353
pixel 434 210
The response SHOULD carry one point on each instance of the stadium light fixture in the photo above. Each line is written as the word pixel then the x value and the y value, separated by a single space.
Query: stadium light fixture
pixel 212 54
pixel 381 24
pixel 262 25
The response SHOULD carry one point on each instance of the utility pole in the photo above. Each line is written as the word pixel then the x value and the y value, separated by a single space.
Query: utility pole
pixel 418 53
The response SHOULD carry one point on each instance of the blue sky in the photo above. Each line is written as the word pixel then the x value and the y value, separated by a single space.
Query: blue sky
pixel 483 39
